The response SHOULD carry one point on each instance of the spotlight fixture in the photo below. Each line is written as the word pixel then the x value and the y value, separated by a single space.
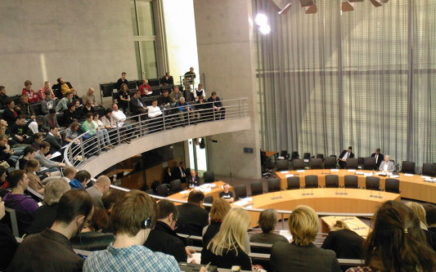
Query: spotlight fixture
pixel 265 29
pixel 311 10
pixel 261 19
pixel 346 6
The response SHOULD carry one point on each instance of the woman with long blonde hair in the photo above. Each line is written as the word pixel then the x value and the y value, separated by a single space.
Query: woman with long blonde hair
pixel 229 246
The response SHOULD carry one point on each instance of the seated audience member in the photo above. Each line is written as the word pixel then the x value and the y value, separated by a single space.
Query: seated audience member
pixel 89 97
pixel 50 120
pixel 47 91
pixel 200 91
pixel 136 105
pixel 267 222
pixel 89 126
pixel 62 104
pixel 122 80
pixel 229 246
pixel 96 191
pixel 119 116
pixel 108 120
pixel 155 113
pixel 344 242
pixel 72 132
pixel 302 255
pixel 217 106
pixel 123 97
pixel 397 242
pixel 62 88
pixel 69 173
pixel 387 165
pixel 3 126
pixel 176 94
pixel 345 154
pixel 145 88
pixel 379 157
pixel 110 198
pixel 23 106
pixel 5 151
pixel 78 113
pixel 184 108
pixel 51 249
pixel 87 108
pixel 36 140
pixel 32 125
pixel 164 99
pixel 91 237
pixel 203 109
pixel 8 243
pixel 193 179
pixel 31 169
pixel 28 154
pixel 102 132
pixel 43 154
pixel 226 194
pixel 45 215
pixel 420 212
pixel 3 97
pixel 132 219
pixel 34 96
pixel 80 180
pixel 54 138
pixel 23 204
pixel 219 210
pixel 180 172
pixel 69 115
pixel 10 114
pixel 192 217
pixel 167 79
pixel 163 238
pixel 19 130
pixel 430 211
pixel 4 184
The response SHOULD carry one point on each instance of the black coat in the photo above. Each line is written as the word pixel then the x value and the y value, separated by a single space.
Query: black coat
pixel 8 246
pixel 44 218
pixel 229 259
pixel 380 158
pixel 163 239
pixel 346 243
pixel 192 219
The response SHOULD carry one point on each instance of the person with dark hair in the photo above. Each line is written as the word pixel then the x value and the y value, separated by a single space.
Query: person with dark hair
pixel 28 154
pixel 108 120
pixel 397 242
pixel 23 106
pixel 31 169
pixel 267 222
pixel 23 204
pixel 62 104
pixel 379 157
pixel 217 106
pixel 163 238
pixel 44 149
pixel 430 217
pixel 8 243
pixel 80 180
pixel 10 114
pixel 176 94
pixel 167 79
pixel 132 218
pixel 136 105
pixel 122 80
pixel 192 217
pixel 36 140
pixel 5 150
pixel 54 139
pixel 51 249
pixel 61 88
pixel 123 97
pixel 89 126
pixel 164 99
pixel 3 97
pixel 344 156
pixel 72 132
pixel 4 184
pixel 33 96
pixel 19 130
pixel 50 120
pixel 46 214
pixel 69 115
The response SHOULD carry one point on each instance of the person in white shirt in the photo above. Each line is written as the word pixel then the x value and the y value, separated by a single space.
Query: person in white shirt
pixel 155 114
pixel 102 132
pixel 118 115
pixel 387 165
pixel 154 110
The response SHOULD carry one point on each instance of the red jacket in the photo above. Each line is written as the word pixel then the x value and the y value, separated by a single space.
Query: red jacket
pixel 143 87
pixel 33 97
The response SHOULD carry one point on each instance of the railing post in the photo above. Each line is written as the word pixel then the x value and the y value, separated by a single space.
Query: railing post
pixel 82 151
pixel 118 134
pixel 140 125
pixel 97 135
pixel 188 114
pixel 163 120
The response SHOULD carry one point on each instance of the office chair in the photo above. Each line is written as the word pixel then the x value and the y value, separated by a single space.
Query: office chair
pixel 256 188
pixel 372 183
pixel 315 163
pixel 311 181
pixel 392 185
pixel 350 181
pixel 331 181
pixel 408 167
pixel 273 184
pixel 293 183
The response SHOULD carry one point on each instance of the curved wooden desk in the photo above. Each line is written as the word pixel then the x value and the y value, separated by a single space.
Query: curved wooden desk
pixel 411 186
pixel 328 200
pixel 217 188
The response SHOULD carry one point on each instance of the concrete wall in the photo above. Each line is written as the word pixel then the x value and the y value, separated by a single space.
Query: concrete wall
pixel 85 42
pixel 226 57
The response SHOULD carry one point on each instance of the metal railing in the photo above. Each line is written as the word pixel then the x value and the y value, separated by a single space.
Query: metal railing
pixel 88 144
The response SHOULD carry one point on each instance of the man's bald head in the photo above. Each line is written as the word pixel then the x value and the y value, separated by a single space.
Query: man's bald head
pixel 103 183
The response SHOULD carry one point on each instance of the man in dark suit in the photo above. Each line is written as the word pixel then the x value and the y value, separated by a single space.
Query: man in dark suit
pixel 193 218
pixel 54 139
pixel 345 154
pixel 219 110
pixel 180 172
pixel 136 105
pixel 163 238
pixel 122 80
pixel 379 157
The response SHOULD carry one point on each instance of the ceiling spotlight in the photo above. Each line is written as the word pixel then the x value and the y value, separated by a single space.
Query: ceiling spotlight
pixel 311 10
pixel 265 29
pixel 261 19
pixel 346 6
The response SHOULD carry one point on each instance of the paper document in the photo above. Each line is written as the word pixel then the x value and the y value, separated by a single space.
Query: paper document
pixel 55 155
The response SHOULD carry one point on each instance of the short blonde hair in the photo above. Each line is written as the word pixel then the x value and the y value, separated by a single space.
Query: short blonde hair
pixel 54 189
pixel 419 211
pixel 232 234
pixel 219 209
pixel 303 225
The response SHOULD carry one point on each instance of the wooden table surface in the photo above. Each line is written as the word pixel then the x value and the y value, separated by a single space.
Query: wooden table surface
pixel 411 186
pixel 352 222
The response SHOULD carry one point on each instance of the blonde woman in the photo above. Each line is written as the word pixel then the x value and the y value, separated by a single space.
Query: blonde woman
pixel 229 246
pixel 302 255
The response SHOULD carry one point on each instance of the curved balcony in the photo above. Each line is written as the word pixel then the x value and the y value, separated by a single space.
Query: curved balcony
pixel 140 133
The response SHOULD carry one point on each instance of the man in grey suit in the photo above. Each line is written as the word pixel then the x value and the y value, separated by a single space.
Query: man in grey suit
pixel 387 165
pixel 96 191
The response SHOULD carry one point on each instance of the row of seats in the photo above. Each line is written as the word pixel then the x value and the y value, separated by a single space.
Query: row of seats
pixel 311 181
pixel 428 169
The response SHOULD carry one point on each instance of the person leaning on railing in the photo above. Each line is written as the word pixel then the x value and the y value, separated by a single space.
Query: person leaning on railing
pixel 219 110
